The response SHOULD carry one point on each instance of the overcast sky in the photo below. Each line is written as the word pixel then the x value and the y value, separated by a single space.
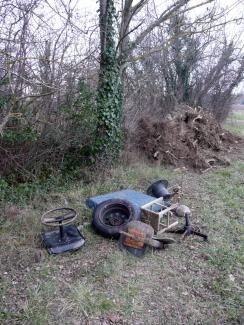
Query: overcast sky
pixel 91 5
pixel 88 10
pixel 233 8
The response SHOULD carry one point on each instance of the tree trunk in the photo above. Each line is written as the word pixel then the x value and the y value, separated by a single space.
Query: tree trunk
pixel 110 87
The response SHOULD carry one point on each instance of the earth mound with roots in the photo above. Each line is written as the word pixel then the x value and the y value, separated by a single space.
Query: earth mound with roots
pixel 192 138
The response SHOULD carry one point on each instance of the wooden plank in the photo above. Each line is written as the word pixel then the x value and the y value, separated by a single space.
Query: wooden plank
pixel 151 219
pixel 169 227
pixel 150 203
pixel 154 218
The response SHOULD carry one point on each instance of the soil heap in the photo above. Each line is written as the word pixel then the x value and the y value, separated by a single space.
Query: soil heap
pixel 192 138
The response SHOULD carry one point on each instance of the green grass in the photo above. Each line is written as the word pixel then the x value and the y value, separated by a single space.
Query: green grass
pixel 90 301
pixel 237 116
pixel 235 123
pixel 236 129
pixel 226 251
pixel 99 283
pixel 59 186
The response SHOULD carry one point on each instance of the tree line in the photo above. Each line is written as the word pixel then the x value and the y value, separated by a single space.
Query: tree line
pixel 73 86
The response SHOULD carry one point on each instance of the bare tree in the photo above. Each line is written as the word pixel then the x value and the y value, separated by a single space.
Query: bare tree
pixel 113 61
pixel 184 62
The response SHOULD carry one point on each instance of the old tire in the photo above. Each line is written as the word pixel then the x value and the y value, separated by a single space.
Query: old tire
pixel 110 217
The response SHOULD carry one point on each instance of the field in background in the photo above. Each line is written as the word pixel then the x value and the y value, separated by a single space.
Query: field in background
pixel 191 282
pixel 235 122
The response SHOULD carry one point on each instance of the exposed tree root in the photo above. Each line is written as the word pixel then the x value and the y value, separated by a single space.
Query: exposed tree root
pixel 193 138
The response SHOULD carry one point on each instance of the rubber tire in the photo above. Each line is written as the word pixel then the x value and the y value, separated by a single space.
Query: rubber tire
pixel 108 230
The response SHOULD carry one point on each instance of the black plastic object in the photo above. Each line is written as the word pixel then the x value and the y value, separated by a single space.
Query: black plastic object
pixel 187 229
pixel 164 240
pixel 67 237
pixel 110 217
pixel 159 189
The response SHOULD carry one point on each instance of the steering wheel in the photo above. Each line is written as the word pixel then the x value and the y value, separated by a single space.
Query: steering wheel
pixel 58 217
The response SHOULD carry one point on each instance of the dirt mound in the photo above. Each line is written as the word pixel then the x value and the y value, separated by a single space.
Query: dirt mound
pixel 193 138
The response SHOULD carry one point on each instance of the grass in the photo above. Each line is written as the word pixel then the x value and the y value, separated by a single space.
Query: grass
pixel 189 283
pixel 238 115
pixel 235 123
pixel 236 129
pixel 89 301
pixel 226 253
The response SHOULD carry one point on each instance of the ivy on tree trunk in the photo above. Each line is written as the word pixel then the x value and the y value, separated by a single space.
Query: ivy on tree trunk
pixel 110 87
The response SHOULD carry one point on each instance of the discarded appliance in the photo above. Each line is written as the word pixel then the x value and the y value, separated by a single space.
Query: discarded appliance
pixel 67 237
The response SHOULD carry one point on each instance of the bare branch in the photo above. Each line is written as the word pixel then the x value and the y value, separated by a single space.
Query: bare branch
pixel 165 16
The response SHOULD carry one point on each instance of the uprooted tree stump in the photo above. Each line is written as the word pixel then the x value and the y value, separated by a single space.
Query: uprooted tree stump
pixel 192 138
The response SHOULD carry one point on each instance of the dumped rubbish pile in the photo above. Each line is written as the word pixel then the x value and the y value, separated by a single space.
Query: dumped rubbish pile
pixel 192 138
pixel 142 221
pixel 138 220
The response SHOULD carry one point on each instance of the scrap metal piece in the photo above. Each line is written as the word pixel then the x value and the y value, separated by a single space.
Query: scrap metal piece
pixel 67 237
pixel 181 210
